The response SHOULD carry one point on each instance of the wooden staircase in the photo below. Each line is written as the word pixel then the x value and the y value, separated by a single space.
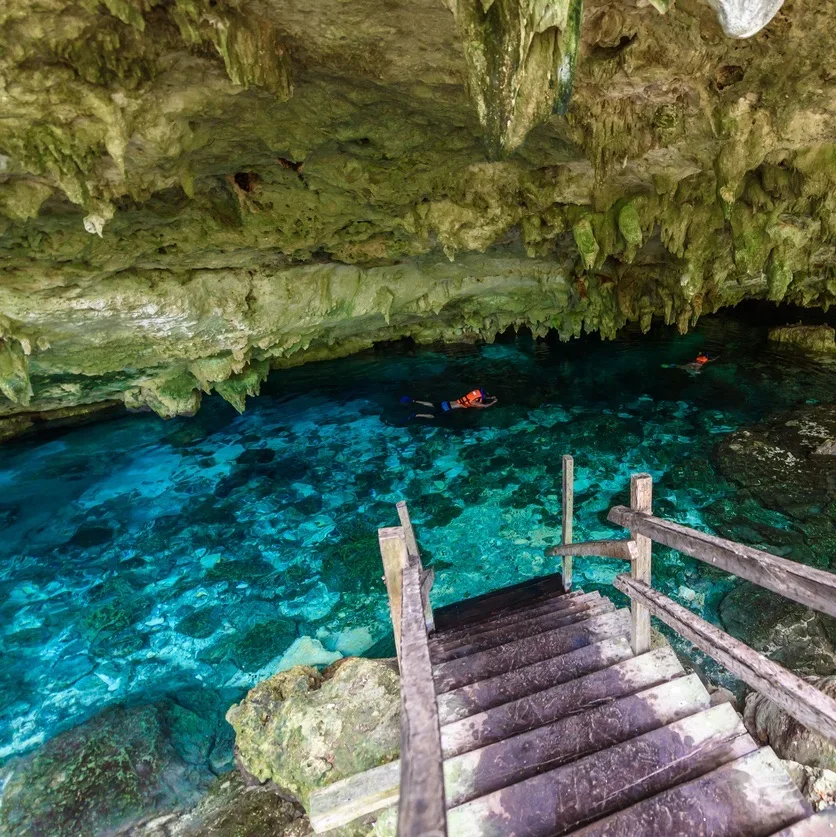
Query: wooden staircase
pixel 533 712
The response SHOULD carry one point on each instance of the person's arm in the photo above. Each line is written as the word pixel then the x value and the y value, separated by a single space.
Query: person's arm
pixel 488 402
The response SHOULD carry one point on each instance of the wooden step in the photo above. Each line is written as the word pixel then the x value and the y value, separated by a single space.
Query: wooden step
pixel 511 760
pixel 476 773
pixel 514 615
pixel 524 652
pixel 441 652
pixel 563 799
pixel 822 824
pixel 626 678
pixel 750 797
pixel 478 607
pixel 477 697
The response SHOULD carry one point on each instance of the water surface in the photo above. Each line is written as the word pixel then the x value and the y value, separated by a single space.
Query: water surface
pixel 142 558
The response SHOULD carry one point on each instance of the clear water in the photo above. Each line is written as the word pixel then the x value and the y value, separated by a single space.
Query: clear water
pixel 143 558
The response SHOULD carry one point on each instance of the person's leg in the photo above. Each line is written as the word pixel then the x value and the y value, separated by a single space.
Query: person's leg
pixel 424 403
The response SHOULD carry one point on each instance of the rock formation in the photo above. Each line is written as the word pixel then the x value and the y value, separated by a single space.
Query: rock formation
pixel 301 730
pixel 194 191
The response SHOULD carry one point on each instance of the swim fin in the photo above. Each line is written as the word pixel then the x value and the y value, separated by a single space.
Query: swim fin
pixel 407 399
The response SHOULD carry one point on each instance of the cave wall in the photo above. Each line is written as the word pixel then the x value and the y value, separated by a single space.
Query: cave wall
pixel 194 191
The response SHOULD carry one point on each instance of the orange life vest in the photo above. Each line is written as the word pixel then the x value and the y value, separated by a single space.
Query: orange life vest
pixel 471 398
pixel 701 359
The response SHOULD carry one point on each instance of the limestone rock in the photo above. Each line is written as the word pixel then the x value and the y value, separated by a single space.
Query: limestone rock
pixel 789 738
pixel 797 638
pixel 302 731
pixel 819 338
pixel 97 778
pixel 816 784
pixel 231 808
pixel 286 182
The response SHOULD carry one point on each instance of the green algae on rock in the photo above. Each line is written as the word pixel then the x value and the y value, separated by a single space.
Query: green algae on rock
pixel 96 778
pixel 820 338
pixel 303 730
pixel 194 192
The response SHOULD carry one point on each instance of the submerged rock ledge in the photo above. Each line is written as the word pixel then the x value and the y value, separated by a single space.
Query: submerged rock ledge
pixel 192 193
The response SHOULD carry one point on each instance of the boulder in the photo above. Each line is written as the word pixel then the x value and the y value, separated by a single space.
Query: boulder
pixel 792 635
pixel 811 338
pixel 231 808
pixel 302 730
pixel 816 784
pixel 98 778
pixel 790 739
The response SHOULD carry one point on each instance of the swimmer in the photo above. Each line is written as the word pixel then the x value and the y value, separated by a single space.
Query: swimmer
pixel 475 399
pixel 696 365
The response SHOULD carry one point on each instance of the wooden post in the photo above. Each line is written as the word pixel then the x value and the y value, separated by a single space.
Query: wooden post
pixel 568 510
pixel 641 500
pixel 427 576
pixel 394 554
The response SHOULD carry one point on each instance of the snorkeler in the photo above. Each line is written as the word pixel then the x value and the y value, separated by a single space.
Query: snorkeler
pixel 696 365
pixel 476 399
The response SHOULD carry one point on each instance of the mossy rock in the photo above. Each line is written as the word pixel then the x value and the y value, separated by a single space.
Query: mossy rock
pixel 249 570
pixel 304 731
pixel 254 648
pixel 200 623
pixel 96 778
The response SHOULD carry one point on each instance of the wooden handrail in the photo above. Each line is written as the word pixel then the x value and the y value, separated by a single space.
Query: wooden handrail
pixel 804 702
pixel 422 809
pixel 623 549
pixel 806 585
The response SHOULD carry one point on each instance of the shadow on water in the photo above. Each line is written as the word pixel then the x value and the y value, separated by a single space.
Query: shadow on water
pixel 140 558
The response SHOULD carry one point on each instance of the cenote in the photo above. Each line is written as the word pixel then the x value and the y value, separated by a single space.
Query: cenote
pixel 188 559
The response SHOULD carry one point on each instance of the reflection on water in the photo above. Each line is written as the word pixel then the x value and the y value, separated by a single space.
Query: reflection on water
pixel 141 558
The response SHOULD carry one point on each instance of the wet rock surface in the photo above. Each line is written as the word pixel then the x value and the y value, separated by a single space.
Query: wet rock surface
pixel 790 739
pixel 301 730
pixel 819 338
pixel 105 775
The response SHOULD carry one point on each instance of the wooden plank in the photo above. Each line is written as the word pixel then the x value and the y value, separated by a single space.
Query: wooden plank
pixel 806 585
pixel 394 555
pixel 567 508
pixel 624 549
pixel 493 767
pixel 519 614
pixel 641 500
pixel 442 651
pixel 818 825
pixel 560 800
pixel 355 797
pixel 749 797
pixel 544 707
pixel 530 591
pixel 412 549
pixel 421 808
pixel 526 651
pixel 511 760
pixel 804 702
pixel 494 691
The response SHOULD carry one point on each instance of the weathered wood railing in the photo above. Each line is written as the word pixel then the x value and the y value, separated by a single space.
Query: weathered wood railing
pixel 811 587
pixel 421 809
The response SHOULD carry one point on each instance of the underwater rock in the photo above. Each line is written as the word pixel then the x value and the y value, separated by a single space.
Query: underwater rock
pixel 231 808
pixel 794 636
pixel 98 778
pixel 303 730
pixel 789 738
pixel 812 338
pixel 775 461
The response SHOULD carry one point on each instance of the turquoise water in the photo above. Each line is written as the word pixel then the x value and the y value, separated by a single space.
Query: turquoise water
pixel 143 558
